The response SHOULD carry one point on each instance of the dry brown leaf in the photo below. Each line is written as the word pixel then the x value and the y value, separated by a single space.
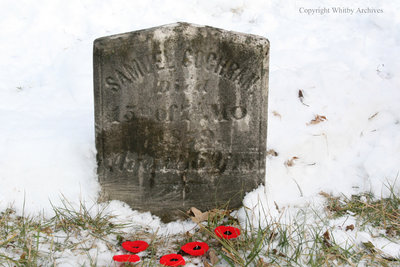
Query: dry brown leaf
pixel 277 207
pixel 280 254
pixel 23 256
pixel 290 162
pixel 47 230
pixel 272 236
pixel 317 119
pixel 212 255
pixel 324 194
pixel 327 239
pixel 327 236
pixel 206 264
pixel 301 97
pixel 276 114
pixel 272 153
pixel 350 227
pixel 198 215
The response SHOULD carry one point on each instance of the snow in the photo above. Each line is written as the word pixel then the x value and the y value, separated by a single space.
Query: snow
pixel 347 67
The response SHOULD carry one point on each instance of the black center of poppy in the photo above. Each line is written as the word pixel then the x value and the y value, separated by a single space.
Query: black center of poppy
pixel 196 248
pixel 135 247
pixel 227 233
pixel 173 259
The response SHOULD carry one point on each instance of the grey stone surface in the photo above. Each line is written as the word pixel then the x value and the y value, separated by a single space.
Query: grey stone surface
pixel 181 117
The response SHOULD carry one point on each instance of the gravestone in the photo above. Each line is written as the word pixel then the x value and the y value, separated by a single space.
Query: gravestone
pixel 181 117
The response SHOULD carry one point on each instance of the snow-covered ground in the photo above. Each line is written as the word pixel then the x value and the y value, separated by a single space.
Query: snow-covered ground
pixel 347 67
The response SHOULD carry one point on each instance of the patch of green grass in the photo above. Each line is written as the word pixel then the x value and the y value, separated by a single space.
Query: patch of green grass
pixel 299 242
pixel 383 213
pixel 303 239
pixel 93 219
pixel 35 241
pixel 21 235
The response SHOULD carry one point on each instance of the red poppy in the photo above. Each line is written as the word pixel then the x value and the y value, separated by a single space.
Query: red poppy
pixel 195 248
pixel 126 258
pixel 227 232
pixel 135 246
pixel 172 260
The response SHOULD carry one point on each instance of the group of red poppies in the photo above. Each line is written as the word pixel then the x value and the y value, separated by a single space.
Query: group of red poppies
pixel 191 248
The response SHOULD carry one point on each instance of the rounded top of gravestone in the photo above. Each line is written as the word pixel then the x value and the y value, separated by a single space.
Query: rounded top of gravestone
pixel 165 31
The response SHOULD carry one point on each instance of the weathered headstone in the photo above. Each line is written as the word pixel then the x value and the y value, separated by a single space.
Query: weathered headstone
pixel 181 117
